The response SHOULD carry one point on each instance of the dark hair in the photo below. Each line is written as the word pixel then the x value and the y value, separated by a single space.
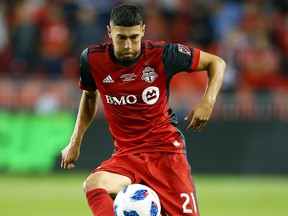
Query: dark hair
pixel 126 15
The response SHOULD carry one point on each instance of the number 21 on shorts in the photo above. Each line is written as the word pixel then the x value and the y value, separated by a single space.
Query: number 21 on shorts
pixel 188 199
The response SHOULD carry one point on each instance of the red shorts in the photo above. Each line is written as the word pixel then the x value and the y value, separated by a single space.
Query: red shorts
pixel 168 174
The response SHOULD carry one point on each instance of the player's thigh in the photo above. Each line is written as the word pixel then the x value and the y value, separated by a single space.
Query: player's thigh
pixel 174 184
pixel 112 182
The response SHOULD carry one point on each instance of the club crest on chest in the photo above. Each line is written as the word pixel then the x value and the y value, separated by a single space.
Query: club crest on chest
pixel 149 74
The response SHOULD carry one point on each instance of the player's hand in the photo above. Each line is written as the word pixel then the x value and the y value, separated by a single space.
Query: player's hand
pixel 70 154
pixel 199 115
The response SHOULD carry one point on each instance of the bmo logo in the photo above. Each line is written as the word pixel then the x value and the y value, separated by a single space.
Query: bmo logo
pixel 150 95
pixel 123 100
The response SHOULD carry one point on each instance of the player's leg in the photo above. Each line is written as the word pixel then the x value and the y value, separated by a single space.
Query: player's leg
pixel 111 182
pixel 170 177
pixel 99 187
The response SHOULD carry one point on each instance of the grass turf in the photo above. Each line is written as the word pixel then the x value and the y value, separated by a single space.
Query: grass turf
pixel 60 194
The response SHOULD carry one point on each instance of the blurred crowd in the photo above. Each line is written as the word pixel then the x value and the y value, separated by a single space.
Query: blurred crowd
pixel 44 38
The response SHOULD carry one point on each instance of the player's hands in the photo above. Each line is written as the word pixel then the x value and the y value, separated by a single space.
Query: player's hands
pixel 70 154
pixel 199 115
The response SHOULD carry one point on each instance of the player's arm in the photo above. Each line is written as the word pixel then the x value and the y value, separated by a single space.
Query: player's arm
pixel 215 67
pixel 86 113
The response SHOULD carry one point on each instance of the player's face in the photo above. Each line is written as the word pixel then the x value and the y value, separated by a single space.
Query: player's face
pixel 126 41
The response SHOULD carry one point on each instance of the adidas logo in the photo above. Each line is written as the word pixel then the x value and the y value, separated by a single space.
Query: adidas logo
pixel 108 79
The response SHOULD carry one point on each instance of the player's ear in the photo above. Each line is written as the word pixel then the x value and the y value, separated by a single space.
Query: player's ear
pixel 109 31
pixel 143 30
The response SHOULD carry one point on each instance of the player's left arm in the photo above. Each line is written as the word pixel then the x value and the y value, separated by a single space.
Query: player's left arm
pixel 215 67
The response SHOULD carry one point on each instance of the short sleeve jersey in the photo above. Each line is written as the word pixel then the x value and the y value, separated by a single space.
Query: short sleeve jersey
pixel 135 98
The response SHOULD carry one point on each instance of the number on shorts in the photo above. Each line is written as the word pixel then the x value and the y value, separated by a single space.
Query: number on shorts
pixel 187 201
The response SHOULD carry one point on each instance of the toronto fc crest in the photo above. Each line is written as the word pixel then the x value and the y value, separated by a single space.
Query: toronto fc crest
pixel 149 75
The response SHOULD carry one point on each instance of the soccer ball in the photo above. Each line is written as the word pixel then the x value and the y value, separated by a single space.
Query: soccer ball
pixel 137 200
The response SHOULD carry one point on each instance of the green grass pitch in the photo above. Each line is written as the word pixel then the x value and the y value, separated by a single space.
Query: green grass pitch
pixel 60 194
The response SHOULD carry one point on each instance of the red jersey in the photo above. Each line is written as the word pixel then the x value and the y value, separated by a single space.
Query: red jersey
pixel 135 97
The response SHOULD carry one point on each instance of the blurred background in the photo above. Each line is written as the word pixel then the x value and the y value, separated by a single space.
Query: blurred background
pixel 40 46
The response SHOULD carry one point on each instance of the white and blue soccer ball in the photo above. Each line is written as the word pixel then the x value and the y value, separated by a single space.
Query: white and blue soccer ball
pixel 137 200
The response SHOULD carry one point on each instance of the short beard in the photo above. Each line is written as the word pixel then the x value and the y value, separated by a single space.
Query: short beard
pixel 127 60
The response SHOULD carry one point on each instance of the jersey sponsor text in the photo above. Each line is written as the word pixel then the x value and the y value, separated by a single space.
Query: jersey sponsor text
pixel 123 100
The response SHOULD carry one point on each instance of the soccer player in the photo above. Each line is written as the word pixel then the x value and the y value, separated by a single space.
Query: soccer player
pixel 132 76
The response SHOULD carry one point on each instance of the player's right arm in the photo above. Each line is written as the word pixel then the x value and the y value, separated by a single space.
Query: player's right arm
pixel 86 113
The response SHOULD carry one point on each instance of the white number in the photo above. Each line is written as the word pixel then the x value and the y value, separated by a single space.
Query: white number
pixel 187 201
